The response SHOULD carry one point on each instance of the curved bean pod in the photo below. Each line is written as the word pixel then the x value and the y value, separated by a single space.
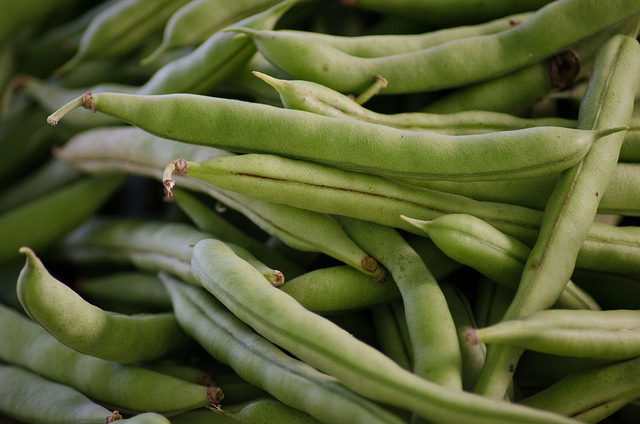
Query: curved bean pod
pixel 436 353
pixel 583 334
pixel 498 256
pixel 42 221
pixel 454 64
pixel 259 362
pixel 132 151
pixel 131 388
pixel 90 330
pixel 30 398
pixel 307 335
pixel 248 127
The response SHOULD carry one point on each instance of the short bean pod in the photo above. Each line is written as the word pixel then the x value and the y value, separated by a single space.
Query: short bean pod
pixel 257 361
pixel 353 145
pixel 127 387
pixel 90 330
pixel 358 366
pixel 584 334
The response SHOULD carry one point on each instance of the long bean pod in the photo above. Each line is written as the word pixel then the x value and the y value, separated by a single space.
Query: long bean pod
pixel 248 127
pixel 308 336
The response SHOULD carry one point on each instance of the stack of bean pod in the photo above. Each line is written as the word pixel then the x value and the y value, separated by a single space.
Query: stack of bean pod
pixel 302 211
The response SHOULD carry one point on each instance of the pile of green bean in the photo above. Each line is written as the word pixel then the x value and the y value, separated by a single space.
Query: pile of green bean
pixel 304 211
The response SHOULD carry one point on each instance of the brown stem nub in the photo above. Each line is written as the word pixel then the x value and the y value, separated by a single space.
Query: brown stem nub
pixel 471 337
pixel 564 68
pixel 178 167
pixel 115 416
pixel 215 395
pixel 277 279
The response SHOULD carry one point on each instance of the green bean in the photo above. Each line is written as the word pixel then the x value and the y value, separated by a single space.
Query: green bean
pixel 621 196
pixel 257 361
pixel 195 21
pixel 612 291
pixel 313 97
pixel 353 145
pixel 447 13
pixel 381 200
pixel 129 387
pixel 30 398
pixel 42 221
pixel 472 355
pixel 149 245
pixel 206 219
pixel 90 330
pixel 577 395
pixel 358 366
pixel 389 336
pixel 51 175
pixel 134 151
pixel 339 288
pixel 119 29
pixel 435 345
pixel 453 64
pixel 386 45
pixel 501 258
pixel 574 201
pixel 492 300
pixel 125 291
pixel 583 334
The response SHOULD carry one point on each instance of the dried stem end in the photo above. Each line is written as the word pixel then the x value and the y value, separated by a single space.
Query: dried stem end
pixel 178 167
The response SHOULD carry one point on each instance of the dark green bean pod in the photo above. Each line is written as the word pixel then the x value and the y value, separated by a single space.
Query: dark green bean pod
pixel 43 221
pixel 454 64
pixel 259 362
pixel 90 330
pixel 129 387
pixel 18 14
pixel 348 144
pixel 358 366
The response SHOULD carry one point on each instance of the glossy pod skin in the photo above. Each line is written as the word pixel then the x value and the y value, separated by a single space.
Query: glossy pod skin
pixel 131 388
pixel 89 329
pixel 247 127
pixel 583 334
pixel 132 151
pixel 358 366
pixel 259 362
pixel 453 64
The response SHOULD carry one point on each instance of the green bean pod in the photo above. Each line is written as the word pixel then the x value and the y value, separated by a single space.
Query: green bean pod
pixel 259 362
pixel 15 15
pixel 389 336
pixel 453 64
pixel 30 398
pixel 90 330
pixel 358 366
pixel 42 221
pixel 573 204
pixel 129 387
pixel 583 334
pixel 119 29
pixel 248 127
pixel 195 21
pixel 436 351
pixel 316 98
pixel 387 45
pixel 149 245
pixel 133 151
pixel 498 256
